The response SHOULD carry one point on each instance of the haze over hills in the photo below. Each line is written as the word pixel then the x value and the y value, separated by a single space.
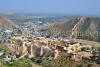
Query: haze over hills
pixel 50 33
pixel 24 18
pixel 7 24
pixel 80 27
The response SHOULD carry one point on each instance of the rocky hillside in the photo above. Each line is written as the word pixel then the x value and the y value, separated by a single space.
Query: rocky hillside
pixel 7 24
pixel 80 27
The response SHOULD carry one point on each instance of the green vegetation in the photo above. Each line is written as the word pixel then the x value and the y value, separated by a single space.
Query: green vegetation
pixel 43 61
pixel 2 63
pixel 19 63
pixel 6 50
pixel 64 61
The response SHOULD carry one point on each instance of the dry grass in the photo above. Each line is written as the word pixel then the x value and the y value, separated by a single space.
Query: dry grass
pixel 87 42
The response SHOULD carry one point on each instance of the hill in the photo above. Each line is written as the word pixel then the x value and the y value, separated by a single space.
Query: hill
pixel 79 27
pixel 7 24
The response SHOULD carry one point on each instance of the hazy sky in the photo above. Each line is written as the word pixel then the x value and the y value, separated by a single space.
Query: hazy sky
pixel 74 7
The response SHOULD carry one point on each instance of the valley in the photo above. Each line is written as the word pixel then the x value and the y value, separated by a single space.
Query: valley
pixel 43 40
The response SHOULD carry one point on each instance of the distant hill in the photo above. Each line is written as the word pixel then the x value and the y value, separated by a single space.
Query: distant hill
pixel 7 24
pixel 79 27
pixel 45 19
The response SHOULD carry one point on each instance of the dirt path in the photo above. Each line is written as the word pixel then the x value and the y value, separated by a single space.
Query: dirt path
pixel 87 42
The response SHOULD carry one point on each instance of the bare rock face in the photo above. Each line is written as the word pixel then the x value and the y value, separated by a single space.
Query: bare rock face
pixel 6 23
pixel 76 28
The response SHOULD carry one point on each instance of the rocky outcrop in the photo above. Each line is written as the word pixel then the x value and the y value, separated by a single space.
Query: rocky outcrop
pixel 7 24
pixel 76 28
pixel 87 28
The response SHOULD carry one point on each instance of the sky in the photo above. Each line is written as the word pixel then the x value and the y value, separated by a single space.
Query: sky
pixel 70 7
